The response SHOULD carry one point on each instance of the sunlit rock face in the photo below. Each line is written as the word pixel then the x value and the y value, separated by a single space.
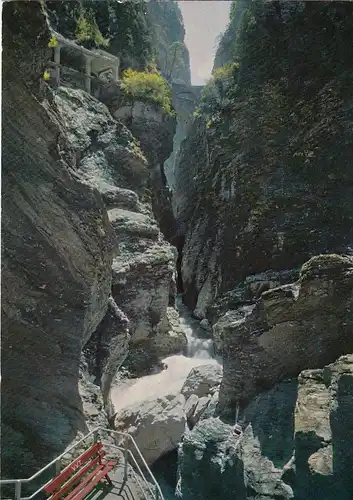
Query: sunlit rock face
pixel 306 324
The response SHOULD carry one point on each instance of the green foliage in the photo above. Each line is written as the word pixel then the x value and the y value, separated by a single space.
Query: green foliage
pixel 150 87
pixel 128 27
pixel 215 92
pixel 122 28
pixel 174 58
pixel 88 31
pixel 233 9
pixel 225 73
pixel 53 42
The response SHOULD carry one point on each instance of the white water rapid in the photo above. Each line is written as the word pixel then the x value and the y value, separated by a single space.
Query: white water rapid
pixel 170 381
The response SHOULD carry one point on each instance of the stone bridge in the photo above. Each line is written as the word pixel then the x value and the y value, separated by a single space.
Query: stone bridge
pixel 182 91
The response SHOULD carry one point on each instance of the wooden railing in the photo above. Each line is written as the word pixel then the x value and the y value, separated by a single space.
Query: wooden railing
pixel 96 62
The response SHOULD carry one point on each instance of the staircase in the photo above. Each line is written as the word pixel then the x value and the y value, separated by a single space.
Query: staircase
pixel 129 479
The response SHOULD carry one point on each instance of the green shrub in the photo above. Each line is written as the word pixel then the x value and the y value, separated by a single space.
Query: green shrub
pixel 53 42
pixel 215 91
pixel 88 31
pixel 150 87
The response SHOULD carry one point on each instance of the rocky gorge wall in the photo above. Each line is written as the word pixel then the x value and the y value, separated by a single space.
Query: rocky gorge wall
pixel 171 53
pixel 262 187
pixel 296 444
pixel 267 217
pixel 88 279
pixel 287 385
pixel 267 161
pixel 56 259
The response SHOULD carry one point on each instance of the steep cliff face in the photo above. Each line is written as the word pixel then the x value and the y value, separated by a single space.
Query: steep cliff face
pixel 294 405
pixel 185 99
pixel 307 324
pixel 228 47
pixel 87 275
pixel 154 130
pixel 272 183
pixel 143 268
pixel 270 187
pixel 172 55
pixel 56 258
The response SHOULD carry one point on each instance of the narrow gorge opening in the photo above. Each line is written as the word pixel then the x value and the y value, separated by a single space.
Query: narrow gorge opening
pixel 178 242
pixel 153 222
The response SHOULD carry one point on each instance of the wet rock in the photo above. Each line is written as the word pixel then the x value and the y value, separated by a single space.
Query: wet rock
pixel 210 410
pixel 157 426
pixel 205 325
pixel 142 277
pixel 200 409
pixel 201 379
pixel 249 291
pixel 169 338
pixel 207 462
pixel 106 154
pixel 190 405
pixel 226 322
pixel 118 197
pixel 107 349
pixel 155 130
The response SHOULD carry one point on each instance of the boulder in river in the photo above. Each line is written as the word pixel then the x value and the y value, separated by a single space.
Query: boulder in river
pixel 156 425
pixel 201 379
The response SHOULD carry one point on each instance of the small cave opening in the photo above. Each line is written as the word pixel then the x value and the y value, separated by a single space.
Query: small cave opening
pixel 165 470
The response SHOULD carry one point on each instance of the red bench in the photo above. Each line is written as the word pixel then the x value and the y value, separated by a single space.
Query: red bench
pixel 81 476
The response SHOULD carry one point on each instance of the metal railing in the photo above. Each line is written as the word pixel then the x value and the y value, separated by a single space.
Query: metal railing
pixel 154 490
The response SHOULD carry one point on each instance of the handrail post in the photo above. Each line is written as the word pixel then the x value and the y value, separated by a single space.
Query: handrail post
pixel 156 493
pixel 18 490
pixel 58 467
pixel 126 456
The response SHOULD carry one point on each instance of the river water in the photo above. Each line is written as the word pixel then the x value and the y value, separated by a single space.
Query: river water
pixel 168 382
pixel 171 380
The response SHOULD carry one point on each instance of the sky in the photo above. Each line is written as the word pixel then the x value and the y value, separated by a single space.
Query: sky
pixel 204 20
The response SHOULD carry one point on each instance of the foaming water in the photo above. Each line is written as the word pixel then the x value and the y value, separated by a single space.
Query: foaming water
pixel 164 383
pixel 170 381
pixel 198 347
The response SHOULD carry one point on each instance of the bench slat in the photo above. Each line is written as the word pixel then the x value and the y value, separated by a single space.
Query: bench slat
pixel 90 481
pixel 72 468
pixel 75 479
